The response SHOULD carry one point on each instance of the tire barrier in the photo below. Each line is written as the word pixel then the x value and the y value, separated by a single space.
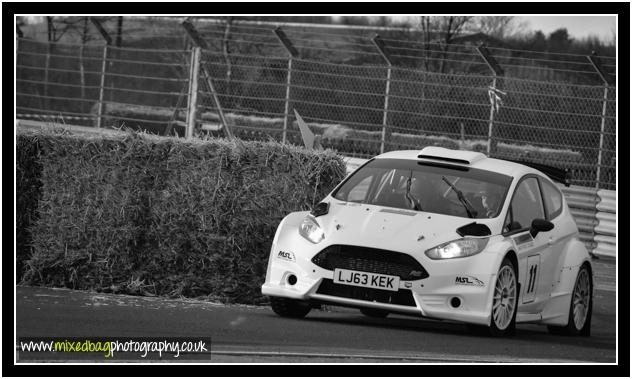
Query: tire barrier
pixel 606 228
pixel 582 203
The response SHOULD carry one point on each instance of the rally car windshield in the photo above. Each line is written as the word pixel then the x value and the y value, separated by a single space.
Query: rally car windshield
pixel 428 187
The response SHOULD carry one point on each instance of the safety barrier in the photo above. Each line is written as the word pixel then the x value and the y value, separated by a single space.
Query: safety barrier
pixel 582 203
pixel 606 228
pixel 594 212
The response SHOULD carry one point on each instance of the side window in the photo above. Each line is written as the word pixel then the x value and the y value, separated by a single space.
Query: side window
pixel 552 199
pixel 526 204
pixel 359 192
pixel 508 226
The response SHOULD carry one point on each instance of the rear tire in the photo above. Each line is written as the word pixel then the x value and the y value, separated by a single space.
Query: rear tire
pixel 505 301
pixel 579 315
pixel 375 313
pixel 289 307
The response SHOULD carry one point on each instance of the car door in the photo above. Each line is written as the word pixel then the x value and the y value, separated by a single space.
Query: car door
pixel 557 237
pixel 527 205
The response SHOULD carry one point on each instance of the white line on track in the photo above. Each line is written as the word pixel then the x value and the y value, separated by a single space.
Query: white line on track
pixel 423 357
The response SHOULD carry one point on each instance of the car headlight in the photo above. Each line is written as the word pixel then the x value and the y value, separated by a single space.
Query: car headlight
pixel 464 247
pixel 310 230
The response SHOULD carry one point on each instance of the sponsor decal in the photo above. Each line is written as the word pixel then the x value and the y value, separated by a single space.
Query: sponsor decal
pixel 286 255
pixel 524 241
pixel 523 238
pixel 467 280
pixel 531 284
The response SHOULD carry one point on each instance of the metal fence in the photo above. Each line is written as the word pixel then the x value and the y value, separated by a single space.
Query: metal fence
pixel 363 94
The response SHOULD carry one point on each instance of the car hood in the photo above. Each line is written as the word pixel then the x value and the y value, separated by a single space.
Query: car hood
pixel 388 228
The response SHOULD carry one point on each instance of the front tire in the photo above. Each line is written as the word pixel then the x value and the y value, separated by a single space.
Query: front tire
pixel 505 301
pixel 580 312
pixel 375 313
pixel 289 307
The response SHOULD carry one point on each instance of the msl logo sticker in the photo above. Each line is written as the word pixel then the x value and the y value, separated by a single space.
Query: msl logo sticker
pixel 286 255
pixel 466 280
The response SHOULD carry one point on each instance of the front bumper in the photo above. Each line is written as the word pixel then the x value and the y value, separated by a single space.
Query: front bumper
pixel 432 297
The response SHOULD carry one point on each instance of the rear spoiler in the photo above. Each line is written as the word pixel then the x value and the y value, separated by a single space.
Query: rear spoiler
pixel 556 174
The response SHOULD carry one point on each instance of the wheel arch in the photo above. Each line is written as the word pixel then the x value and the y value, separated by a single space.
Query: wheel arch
pixel 590 269
pixel 575 255
pixel 511 255
pixel 513 258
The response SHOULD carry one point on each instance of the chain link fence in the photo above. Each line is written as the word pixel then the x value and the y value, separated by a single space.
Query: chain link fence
pixel 545 108
pixel 105 86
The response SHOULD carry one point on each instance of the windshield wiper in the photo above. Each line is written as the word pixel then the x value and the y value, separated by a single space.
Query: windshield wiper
pixel 409 196
pixel 471 212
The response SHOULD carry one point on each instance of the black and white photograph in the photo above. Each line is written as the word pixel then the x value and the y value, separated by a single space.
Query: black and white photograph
pixel 332 189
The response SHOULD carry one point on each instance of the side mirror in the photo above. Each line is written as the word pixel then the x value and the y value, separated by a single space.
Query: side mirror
pixel 320 209
pixel 474 229
pixel 540 225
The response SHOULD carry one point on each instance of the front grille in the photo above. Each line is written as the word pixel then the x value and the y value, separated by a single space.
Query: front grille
pixel 401 297
pixel 370 260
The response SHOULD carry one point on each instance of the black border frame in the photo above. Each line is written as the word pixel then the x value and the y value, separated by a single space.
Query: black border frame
pixel 622 9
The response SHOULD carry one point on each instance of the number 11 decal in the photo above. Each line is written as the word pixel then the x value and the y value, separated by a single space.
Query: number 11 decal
pixel 530 285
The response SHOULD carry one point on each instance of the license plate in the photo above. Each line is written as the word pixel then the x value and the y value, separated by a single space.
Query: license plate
pixel 366 279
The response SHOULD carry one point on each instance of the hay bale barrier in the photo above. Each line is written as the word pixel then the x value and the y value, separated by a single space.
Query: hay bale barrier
pixel 28 190
pixel 146 215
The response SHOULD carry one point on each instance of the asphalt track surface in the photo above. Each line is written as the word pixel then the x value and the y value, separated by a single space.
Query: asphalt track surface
pixel 242 333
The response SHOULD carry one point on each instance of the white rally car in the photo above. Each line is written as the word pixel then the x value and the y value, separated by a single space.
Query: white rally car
pixel 438 233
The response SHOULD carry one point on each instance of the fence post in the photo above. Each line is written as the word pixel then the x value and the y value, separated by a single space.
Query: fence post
pixel 601 135
pixel 194 76
pixel 183 92
pixel 287 100
pixel 607 80
pixel 102 86
pixel 293 53
pixel 490 129
pixel 47 63
pixel 108 42
pixel 379 44
pixel 199 42
pixel 497 71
